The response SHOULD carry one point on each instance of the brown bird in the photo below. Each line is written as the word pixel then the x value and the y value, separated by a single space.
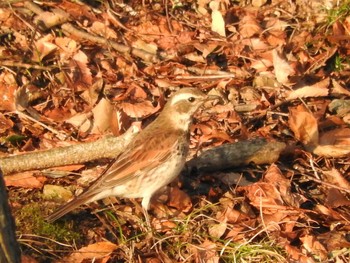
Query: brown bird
pixel 153 159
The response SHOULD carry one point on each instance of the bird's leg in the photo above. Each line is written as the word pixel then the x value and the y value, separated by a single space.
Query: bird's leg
pixel 145 206
pixel 148 222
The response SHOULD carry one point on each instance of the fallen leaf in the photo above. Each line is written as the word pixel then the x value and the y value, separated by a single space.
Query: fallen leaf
pixel 5 124
pixel 103 113
pixel 206 252
pixel 24 180
pixel 43 47
pixel 282 67
pixel 334 144
pixel 320 89
pixel 335 198
pixel 248 26
pixel 217 23
pixel 83 74
pixel 8 88
pixel 57 193
pixel 338 137
pixel 81 121
pixel 313 246
pixel 102 29
pixel 333 176
pixel 304 125
pixel 180 200
pixel 139 109
pixel 217 230
pixel 91 252
pixel 338 89
pixel 331 151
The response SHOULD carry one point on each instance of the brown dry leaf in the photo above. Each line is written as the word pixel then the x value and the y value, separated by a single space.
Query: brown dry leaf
pixel 180 200
pixel 338 89
pixel 256 44
pixel 339 137
pixel 258 3
pixel 101 29
pixel 28 259
pixel 234 216
pixel 276 38
pixel 297 255
pixel 139 109
pixel 334 144
pixel 331 151
pixel 121 122
pixel 334 240
pixel 43 47
pixel 333 176
pixel 321 59
pixel 7 91
pixel 274 23
pixel 103 113
pixel 56 193
pixel 24 180
pixel 78 10
pixel 282 67
pixel 68 168
pixel 220 136
pixel 249 26
pixel 5 124
pixel 237 233
pixel 274 176
pixel 330 213
pixel 217 23
pixel 304 125
pixel 320 89
pixel 335 198
pixel 193 56
pixel 81 121
pixel 57 114
pixel 263 195
pixel 206 48
pixel 92 94
pixel 153 260
pixel 163 225
pixel 261 65
pixel 150 30
pixel 217 230
pixel 206 253
pixel 80 59
pixel 313 246
pixel 68 47
pixel 276 29
pixel 91 252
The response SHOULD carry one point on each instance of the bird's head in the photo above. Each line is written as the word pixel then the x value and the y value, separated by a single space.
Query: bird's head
pixel 183 104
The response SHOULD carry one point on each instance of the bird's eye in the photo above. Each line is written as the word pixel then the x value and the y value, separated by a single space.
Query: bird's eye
pixel 191 99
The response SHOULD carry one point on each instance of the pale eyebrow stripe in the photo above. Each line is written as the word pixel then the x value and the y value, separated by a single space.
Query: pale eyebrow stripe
pixel 182 96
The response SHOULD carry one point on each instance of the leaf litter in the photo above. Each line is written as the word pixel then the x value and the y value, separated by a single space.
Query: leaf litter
pixel 76 71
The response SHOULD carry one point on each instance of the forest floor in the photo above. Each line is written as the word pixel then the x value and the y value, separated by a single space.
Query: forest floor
pixel 76 71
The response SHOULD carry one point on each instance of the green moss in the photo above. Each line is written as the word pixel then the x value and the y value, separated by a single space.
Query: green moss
pixel 338 13
pixel 30 220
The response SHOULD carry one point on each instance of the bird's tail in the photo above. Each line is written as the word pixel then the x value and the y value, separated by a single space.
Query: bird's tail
pixel 66 208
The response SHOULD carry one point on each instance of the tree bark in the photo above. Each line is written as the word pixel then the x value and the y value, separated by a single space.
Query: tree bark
pixel 9 248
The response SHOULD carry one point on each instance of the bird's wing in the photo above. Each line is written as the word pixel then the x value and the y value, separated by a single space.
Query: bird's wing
pixel 142 154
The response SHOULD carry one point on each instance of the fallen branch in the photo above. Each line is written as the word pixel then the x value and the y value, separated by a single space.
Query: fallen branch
pixel 258 151
pixel 107 147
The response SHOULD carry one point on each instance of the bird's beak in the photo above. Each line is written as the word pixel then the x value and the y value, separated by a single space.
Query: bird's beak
pixel 215 97
pixel 212 100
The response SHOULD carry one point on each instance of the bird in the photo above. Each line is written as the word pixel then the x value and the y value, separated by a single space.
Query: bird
pixel 152 160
